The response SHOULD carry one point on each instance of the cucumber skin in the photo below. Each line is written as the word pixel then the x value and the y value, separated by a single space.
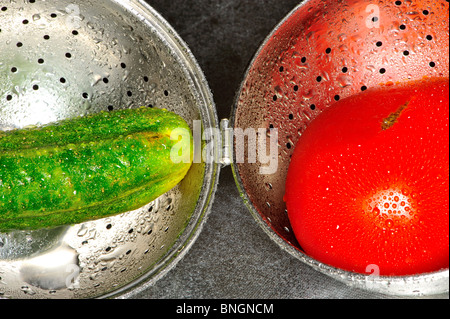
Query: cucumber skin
pixel 87 168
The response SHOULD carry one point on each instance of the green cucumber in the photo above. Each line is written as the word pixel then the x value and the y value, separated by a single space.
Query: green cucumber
pixel 89 168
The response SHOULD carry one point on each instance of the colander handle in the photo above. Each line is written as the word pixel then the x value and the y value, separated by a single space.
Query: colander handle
pixel 227 143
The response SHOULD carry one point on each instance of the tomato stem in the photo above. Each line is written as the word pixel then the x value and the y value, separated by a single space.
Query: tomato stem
pixel 392 119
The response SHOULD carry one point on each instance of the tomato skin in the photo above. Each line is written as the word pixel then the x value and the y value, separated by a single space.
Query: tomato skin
pixel 368 183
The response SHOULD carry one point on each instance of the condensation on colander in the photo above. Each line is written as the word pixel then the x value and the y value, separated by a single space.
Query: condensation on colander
pixel 322 52
pixel 56 57
pixel 71 262
pixel 64 59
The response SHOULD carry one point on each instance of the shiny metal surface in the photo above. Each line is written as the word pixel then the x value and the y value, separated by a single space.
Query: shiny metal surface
pixel 63 59
pixel 321 52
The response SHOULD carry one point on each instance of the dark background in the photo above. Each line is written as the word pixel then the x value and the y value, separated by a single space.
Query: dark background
pixel 233 257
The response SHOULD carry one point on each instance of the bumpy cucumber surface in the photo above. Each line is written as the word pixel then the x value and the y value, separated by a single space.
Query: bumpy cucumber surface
pixel 88 168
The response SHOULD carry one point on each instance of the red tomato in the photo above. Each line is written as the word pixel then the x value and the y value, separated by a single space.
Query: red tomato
pixel 369 181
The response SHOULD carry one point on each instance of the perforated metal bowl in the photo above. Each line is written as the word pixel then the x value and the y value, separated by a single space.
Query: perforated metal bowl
pixel 321 52
pixel 67 58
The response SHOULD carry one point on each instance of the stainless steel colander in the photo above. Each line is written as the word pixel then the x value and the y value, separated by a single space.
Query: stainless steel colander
pixel 321 52
pixel 68 58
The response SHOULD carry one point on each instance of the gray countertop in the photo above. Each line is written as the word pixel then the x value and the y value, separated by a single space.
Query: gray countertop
pixel 233 257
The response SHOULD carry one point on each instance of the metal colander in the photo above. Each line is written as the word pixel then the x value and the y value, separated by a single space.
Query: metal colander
pixel 64 59
pixel 324 51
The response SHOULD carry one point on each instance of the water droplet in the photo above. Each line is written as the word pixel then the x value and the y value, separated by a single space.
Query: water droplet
pixel 27 290
pixel 96 78
pixel 376 211
pixel 344 80
pixel 342 37
pixel 82 231
pixel 389 223
pixel 371 68
pixel 308 95
pixel 343 48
